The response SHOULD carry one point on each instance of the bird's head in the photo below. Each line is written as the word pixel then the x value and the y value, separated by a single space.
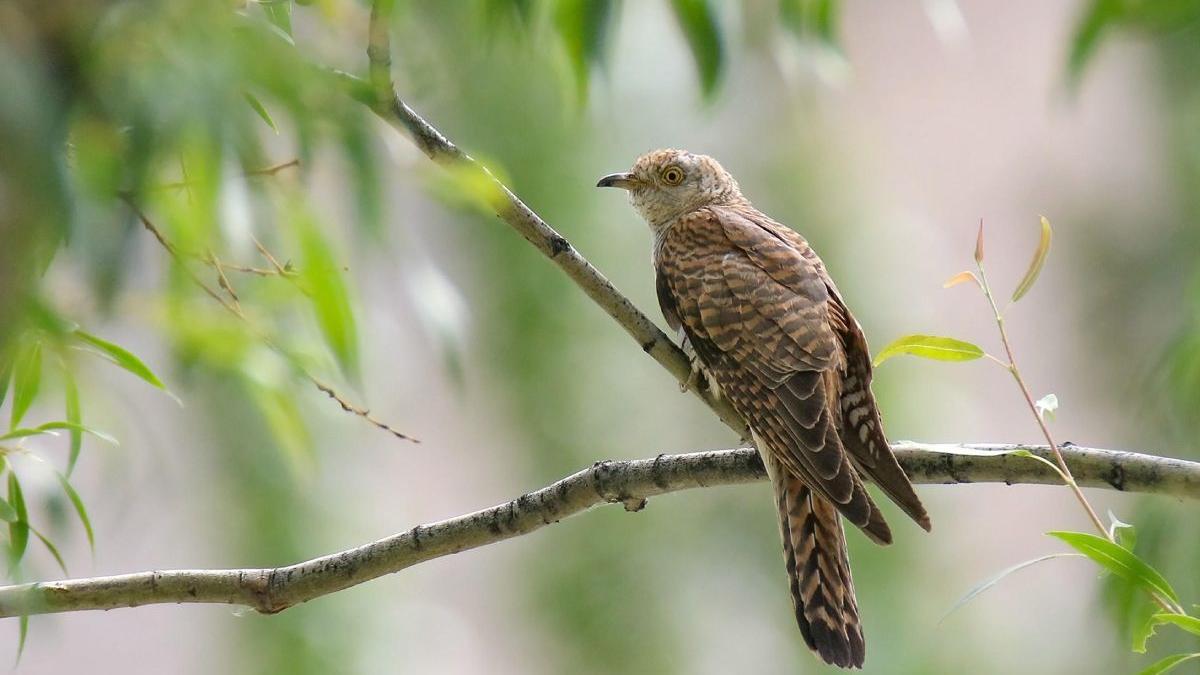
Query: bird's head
pixel 666 184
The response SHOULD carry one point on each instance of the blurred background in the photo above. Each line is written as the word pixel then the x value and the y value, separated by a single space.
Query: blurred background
pixel 881 131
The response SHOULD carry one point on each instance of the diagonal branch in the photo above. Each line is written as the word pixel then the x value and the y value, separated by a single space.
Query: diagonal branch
pixel 631 482
pixel 512 210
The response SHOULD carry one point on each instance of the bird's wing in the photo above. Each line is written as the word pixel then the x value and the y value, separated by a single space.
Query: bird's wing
pixel 862 426
pixel 757 312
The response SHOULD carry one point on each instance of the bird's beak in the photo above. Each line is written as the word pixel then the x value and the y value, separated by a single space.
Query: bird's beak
pixel 625 181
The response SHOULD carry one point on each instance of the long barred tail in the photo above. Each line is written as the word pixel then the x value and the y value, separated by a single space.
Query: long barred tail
pixel 814 550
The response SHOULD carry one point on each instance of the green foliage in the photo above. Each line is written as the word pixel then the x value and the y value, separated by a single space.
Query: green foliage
pixel 1119 561
pixel 812 18
pixel 930 347
pixel 122 357
pixel 698 19
pixel 584 26
pixel 1163 19
pixel 1167 664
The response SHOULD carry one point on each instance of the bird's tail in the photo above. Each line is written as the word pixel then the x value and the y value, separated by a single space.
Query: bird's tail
pixel 814 550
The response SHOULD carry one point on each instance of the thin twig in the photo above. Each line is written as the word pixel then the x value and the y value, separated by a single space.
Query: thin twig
pixel 265 171
pixel 1016 373
pixel 236 309
pixel 630 483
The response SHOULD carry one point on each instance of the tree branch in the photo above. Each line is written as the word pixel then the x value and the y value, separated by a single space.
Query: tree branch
pixel 509 208
pixel 631 482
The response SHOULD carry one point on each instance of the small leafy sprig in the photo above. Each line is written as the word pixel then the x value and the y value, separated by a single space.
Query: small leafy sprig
pixel 1113 547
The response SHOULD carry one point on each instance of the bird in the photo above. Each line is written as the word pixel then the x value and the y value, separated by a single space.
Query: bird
pixel 766 328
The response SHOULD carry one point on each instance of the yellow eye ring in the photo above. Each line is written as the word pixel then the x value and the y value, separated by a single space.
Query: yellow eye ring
pixel 672 175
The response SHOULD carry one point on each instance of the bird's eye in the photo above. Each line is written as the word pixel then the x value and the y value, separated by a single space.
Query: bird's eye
pixel 672 175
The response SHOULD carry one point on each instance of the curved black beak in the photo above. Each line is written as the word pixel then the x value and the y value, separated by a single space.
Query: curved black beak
pixel 624 181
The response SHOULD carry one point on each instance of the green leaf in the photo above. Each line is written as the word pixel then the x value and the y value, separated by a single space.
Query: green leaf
pixel 584 27
pixel 74 418
pixel 812 17
pixel 80 510
pixel 279 13
pixel 27 377
pixel 1168 664
pixel 930 347
pixel 1035 266
pixel 122 357
pixel 1046 406
pixel 1099 16
pixel 77 428
pixel 7 513
pixel 322 280
pixel 22 633
pixel 53 550
pixel 6 368
pixel 1143 632
pixel 1119 561
pixel 992 581
pixel 18 530
pixel 698 20
pixel 50 427
pixel 1189 623
pixel 259 108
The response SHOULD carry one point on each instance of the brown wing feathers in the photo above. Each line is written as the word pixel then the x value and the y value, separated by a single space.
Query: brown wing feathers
pixel 770 326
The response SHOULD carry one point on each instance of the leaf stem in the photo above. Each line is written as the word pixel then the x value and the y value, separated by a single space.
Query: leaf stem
pixel 1016 373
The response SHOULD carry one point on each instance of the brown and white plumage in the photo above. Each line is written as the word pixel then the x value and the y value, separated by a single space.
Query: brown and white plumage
pixel 771 330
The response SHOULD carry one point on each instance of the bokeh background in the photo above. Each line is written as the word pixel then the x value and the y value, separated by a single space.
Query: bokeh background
pixel 881 131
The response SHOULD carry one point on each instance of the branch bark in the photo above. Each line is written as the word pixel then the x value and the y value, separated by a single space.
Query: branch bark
pixel 631 483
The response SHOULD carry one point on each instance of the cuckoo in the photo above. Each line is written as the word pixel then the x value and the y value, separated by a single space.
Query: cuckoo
pixel 767 328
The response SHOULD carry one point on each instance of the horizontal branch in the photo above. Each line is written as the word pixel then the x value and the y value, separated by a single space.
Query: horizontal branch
pixel 270 590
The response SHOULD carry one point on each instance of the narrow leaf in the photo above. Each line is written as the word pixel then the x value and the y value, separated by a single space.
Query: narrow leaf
pixel 259 108
pixel 1119 561
pixel 992 581
pixel 979 244
pixel 18 530
pixel 53 550
pixel 930 347
pixel 22 633
pixel 279 13
pixel 23 432
pixel 77 428
pixel 1035 267
pixel 1097 19
pixel 80 510
pixel 74 417
pixel 1189 623
pixel 7 513
pixel 584 27
pixel 1168 664
pixel 698 20
pixel 811 18
pixel 326 288
pixel 962 277
pixel 122 357
pixel 27 377
pixel 6 368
